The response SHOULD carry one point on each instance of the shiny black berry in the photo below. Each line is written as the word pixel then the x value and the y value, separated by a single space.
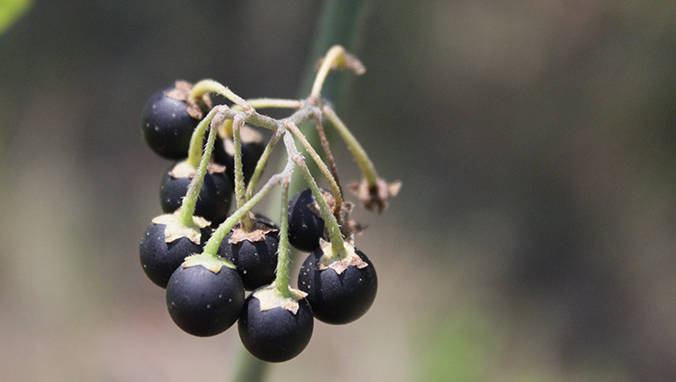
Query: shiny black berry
pixel 277 334
pixel 159 258
pixel 306 225
pixel 214 199
pixel 204 303
pixel 254 253
pixel 167 126
pixel 252 149
pixel 338 298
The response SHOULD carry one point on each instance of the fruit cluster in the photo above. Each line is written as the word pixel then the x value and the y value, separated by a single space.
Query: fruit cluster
pixel 206 257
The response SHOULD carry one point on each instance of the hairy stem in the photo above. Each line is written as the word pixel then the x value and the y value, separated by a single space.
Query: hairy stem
pixel 211 247
pixel 360 156
pixel 327 149
pixel 335 189
pixel 187 209
pixel 283 251
pixel 331 57
pixel 260 165
pixel 211 86
pixel 197 139
pixel 239 174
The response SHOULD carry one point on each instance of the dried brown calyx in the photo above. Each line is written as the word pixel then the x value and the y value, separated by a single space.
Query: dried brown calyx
pixel 339 263
pixel 257 232
pixel 375 197
pixel 196 107
pixel 270 298
pixel 175 230
pixel 184 170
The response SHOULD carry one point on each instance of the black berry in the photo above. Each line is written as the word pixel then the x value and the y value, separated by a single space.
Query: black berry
pixel 277 334
pixel 254 253
pixel 214 199
pixel 306 225
pixel 338 298
pixel 167 126
pixel 204 303
pixel 159 258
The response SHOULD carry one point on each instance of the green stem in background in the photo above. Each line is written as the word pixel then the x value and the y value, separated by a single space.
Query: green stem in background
pixel 211 86
pixel 197 139
pixel 360 156
pixel 239 174
pixel 283 251
pixel 335 189
pixel 339 23
pixel 185 214
pixel 260 165
pixel 211 247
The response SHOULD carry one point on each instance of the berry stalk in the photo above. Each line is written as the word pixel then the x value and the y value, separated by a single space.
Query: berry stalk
pixel 260 165
pixel 197 138
pixel 335 188
pixel 337 242
pixel 211 86
pixel 283 250
pixel 239 174
pixel 363 161
pixel 185 214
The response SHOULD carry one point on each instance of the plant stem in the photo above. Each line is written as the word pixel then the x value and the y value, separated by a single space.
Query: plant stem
pixel 211 86
pixel 327 149
pixel 197 139
pixel 260 165
pixel 331 57
pixel 277 103
pixel 211 247
pixel 360 156
pixel 283 251
pixel 335 189
pixel 239 174
pixel 187 209
pixel 330 221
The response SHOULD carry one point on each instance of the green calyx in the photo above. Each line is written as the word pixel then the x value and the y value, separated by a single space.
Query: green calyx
pixel 213 263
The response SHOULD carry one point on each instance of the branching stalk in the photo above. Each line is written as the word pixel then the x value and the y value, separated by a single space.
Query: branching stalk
pixel 360 156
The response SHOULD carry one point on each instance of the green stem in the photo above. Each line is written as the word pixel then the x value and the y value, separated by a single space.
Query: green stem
pixel 197 139
pixel 283 251
pixel 337 243
pixel 335 189
pixel 211 86
pixel 260 165
pixel 360 156
pixel 211 247
pixel 185 214
pixel 239 174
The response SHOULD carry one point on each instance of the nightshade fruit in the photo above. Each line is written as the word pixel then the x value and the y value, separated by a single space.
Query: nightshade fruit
pixel 339 291
pixel 214 198
pixel 306 225
pixel 254 253
pixel 167 125
pixel 275 332
pixel 203 302
pixel 252 149
pixel 166 243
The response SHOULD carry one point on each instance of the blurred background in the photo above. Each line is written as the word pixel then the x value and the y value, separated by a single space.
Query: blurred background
pixel 533 239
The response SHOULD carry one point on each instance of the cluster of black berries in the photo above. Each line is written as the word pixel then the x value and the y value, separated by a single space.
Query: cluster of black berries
pixel 206 272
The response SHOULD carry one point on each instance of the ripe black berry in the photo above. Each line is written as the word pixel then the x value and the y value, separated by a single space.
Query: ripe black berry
pixel 252 149
pixel 306 225
pixel 167 126
pixel 340 292
pixel 276 334
pixel 202 302
pixel 254 253
pixel 160 258
pixel 214 198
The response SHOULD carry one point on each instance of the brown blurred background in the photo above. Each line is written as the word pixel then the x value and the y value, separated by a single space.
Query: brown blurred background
pixel 533 239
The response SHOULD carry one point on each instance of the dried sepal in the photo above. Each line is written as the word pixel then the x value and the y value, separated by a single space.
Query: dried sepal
pixel 339 263
pixel 270 298
pixel 196 107
pixel 210 262
pixel 255 235
pixel 175 230
pixel 375 197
